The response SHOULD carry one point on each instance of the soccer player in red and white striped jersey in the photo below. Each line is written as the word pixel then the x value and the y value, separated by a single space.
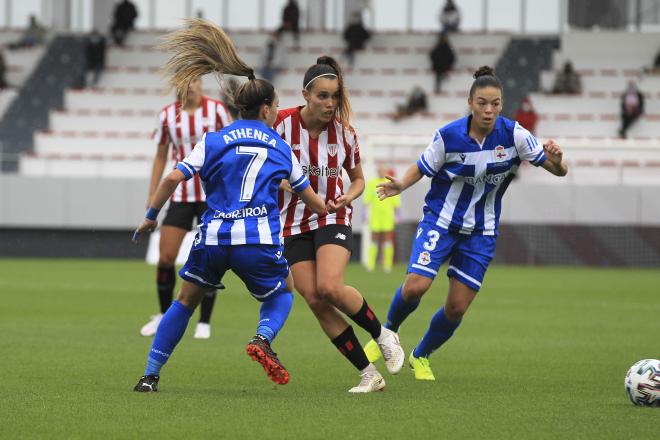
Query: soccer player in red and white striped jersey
pixel 318 247
pixel 180 126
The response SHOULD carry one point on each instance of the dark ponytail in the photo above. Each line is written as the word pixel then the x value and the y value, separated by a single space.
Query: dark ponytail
pixel 327 67
pixel 485 77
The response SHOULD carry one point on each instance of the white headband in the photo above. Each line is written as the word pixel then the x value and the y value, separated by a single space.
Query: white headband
pixel 318 76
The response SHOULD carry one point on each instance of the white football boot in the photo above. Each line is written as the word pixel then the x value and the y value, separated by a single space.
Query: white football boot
pixel 202 330
pixel 370 380
pixel 149 329
pixel 393 353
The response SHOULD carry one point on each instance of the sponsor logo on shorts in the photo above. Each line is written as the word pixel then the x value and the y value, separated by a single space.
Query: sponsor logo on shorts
pixel 424 258
pixel 340 236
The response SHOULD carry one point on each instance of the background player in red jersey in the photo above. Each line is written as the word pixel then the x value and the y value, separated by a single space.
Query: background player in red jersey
pixel 318 247
pixel 181 125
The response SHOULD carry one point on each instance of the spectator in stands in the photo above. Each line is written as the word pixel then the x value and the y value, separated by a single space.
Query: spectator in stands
pixel 124 21
pixel 34 35
pixel 450 17
pixel 415 103
pixel 290 21
pixel 274 58
pixel 567 80
pixel 94 57
pixel 526 116
pixel 3 70
pixel 632 107
pixel 442 60
pixel 655 69
pixel 356 36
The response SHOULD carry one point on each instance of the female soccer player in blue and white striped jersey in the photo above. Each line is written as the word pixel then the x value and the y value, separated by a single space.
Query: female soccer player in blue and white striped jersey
pixel 471 162
pixel 242 166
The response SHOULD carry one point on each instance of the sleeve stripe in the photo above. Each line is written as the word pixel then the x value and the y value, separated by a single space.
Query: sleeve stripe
pixel 185 169
pixel 298 182
pixel 426 167
pixel 529 144
pixel 533 140
pixel 301 185
pixel 538 157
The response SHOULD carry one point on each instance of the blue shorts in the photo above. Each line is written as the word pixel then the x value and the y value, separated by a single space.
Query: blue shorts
pixel 261 267
pixel 469 255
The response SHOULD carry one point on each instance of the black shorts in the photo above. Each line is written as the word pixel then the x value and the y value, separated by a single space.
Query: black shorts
pixel 181 214
pixel 303 247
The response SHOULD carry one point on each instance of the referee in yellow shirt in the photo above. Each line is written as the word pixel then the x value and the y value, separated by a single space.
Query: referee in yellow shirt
pixel 382 215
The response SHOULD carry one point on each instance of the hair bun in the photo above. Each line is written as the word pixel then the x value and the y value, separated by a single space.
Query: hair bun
pixel 483 71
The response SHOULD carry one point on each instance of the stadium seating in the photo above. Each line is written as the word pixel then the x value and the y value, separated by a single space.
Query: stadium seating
pixel 606 63
pixel 20 64
pixel 107 129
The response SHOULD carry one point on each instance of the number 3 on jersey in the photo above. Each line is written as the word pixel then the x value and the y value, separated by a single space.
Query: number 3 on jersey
pixel 432 241
pixel 259 155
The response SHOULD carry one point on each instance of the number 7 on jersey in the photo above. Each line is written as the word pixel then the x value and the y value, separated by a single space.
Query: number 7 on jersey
pixel 259 155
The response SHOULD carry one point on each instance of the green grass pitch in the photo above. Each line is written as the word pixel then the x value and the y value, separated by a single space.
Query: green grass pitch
pixel 541 354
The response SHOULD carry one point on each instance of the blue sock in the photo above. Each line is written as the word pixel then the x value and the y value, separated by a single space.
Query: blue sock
pixel 399 310
pixel 273 314
pixel 169 333
pixel 438 333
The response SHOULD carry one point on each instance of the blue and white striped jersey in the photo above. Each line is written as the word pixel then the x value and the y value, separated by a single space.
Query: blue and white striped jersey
pixel 241 167
pixel 468 179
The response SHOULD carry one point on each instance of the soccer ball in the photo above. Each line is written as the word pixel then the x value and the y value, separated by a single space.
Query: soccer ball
pixel 643 383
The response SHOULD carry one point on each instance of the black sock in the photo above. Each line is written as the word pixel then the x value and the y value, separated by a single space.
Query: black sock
pixel 207 307
pixel 349 346
pixel 165 280
pixel 366 319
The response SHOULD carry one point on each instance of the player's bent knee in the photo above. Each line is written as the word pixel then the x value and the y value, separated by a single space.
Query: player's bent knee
pixel 329 292
pixel 456 310
pixel 415 286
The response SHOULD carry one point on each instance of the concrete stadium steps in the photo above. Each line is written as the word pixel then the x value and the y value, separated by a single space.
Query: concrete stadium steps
pixel 606 83
pixel 133 167
pixel 588 103
pixel 318 41
pixel 122 98
pixel 359 80
pixel 646 128
pixel 86 143
pixel 103 121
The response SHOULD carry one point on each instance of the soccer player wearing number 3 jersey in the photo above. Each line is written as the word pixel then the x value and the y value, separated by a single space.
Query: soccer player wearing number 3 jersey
pixel 242 167
pixel 471 162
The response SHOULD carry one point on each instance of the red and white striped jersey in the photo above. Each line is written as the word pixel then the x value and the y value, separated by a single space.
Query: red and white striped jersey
pixel 182 131
pixel 322 161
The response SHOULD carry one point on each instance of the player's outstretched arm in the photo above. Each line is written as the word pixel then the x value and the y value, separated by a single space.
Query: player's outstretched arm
pixel 554 162
pixel 311 199
pixel 394 186
pixel 163 192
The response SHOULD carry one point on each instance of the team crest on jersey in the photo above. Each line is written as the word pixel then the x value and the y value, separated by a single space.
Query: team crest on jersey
pixel 500 153
pixel 424 258
pixel 295 147
pixel 332 149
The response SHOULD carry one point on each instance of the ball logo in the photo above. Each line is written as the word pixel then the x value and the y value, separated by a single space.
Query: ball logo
pixel 424 258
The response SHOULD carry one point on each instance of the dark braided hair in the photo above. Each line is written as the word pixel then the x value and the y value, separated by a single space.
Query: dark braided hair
pixel 485 77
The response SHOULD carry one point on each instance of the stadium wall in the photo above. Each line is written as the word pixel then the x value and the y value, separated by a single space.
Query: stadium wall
pixel 613 225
